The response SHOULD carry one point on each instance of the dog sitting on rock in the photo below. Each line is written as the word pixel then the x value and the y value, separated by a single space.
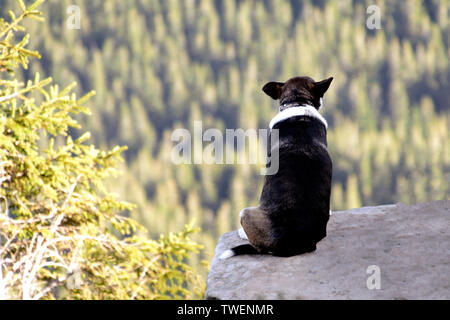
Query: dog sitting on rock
pixel 294 206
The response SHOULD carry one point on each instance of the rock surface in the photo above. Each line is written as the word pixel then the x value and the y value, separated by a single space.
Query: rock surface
pixel 408 244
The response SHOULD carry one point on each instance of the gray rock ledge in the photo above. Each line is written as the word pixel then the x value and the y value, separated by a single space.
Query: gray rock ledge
pixel 408 244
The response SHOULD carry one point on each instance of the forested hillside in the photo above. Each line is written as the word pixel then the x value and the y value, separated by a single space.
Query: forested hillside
pixel 161 65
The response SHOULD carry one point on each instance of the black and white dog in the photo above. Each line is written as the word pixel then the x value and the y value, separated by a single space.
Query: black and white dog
pixel 294 205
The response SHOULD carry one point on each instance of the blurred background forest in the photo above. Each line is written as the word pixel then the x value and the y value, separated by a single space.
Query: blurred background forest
pixel 159 65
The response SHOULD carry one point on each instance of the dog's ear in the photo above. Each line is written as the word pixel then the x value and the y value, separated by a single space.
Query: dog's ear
pixel 273 89
pixel 321 87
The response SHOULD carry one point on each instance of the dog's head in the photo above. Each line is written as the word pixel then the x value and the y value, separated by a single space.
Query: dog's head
pixel 298 90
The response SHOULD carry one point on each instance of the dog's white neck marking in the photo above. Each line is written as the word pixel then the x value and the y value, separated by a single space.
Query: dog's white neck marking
pixel 300 110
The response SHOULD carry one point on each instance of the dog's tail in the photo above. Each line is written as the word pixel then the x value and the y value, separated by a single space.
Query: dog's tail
pixel 242 249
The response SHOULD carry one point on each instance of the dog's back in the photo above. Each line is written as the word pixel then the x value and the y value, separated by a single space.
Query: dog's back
pixel 297 197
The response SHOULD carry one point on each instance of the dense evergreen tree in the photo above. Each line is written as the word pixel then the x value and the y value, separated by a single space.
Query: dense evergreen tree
pixel 62 234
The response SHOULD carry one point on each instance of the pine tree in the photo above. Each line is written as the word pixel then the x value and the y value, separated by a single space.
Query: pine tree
pixel 61 232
